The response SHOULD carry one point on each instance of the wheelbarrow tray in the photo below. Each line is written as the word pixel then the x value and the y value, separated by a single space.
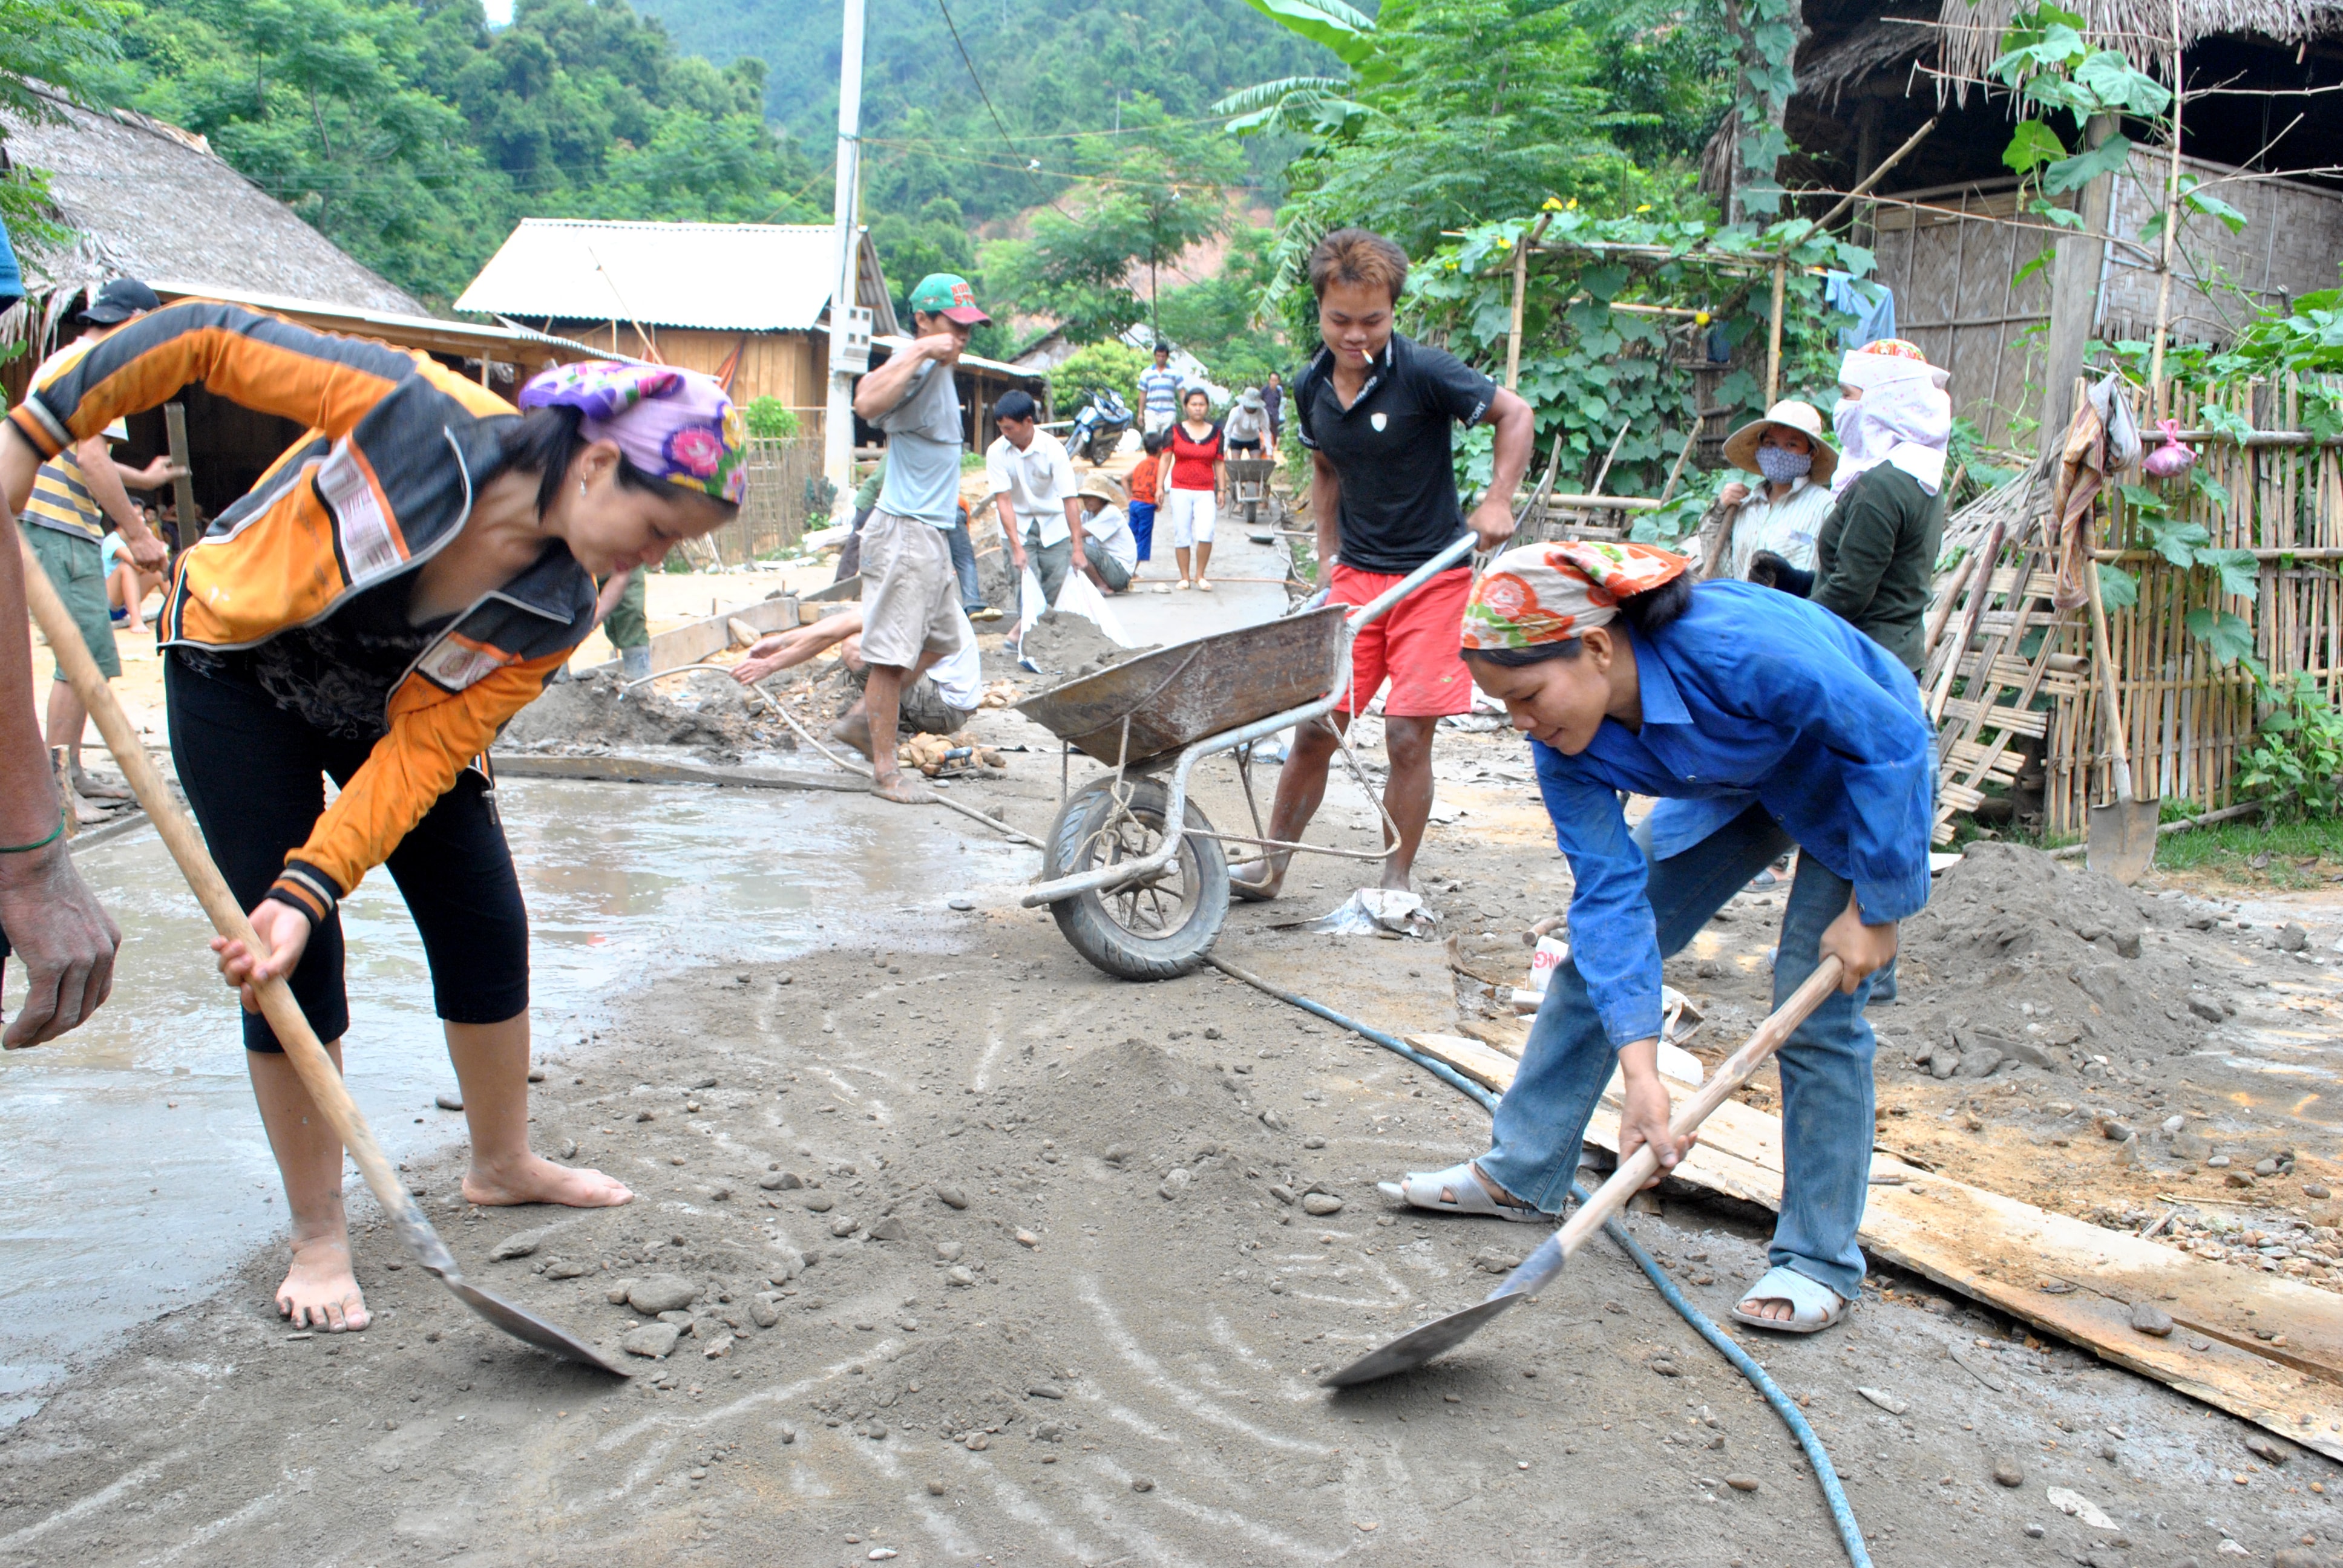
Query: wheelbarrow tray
pixel 1180 695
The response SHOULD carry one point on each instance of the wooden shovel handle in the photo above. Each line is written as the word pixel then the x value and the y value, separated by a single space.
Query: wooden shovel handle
pixel 2101 656
pixel 1731 1074
pixel 308 1057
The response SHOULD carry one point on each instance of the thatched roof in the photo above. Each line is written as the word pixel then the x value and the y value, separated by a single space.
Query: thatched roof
pixel 149 200
pixel 1898 39
pixel 1971 32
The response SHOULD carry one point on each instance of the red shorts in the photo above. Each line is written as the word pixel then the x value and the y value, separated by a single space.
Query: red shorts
pixel 1414 643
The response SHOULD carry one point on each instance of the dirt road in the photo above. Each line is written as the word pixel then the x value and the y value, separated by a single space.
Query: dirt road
pixel 974 1254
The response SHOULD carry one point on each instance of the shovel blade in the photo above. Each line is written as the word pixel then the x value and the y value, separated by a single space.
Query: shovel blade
pixel 524 1324
pixel 2121 839
pixel 1419 1345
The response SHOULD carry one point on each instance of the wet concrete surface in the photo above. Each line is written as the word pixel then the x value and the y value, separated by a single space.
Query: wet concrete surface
pixel 134 1171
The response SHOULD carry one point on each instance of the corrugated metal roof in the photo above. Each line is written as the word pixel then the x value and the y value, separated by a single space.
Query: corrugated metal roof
pixel 717 277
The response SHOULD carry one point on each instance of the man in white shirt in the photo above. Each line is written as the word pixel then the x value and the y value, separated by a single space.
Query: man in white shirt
pixel 1032 482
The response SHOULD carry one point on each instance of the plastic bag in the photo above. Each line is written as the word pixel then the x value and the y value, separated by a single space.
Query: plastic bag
pixel 1377 912
pixel 1081 597
pixel 1030 601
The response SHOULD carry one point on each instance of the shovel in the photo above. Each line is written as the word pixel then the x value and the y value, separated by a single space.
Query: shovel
pixel 309 1060
pixel 1417 1346
pixel 2120 838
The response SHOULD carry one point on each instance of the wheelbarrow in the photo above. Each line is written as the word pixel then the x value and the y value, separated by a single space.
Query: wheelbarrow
pixel 1249 480
pixel 1137 897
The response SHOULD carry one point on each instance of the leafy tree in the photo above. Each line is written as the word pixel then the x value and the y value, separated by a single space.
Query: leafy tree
pixel 1109 365
pixel 1161 188
pixel 66 45
pixel 1456 113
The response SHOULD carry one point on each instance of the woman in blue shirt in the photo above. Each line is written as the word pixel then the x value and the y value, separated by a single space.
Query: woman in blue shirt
pixel 1761 722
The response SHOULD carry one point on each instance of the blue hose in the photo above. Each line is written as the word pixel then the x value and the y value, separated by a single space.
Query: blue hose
pixel 1850 1534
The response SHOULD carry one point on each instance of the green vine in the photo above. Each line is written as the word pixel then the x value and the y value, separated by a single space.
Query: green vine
pixel 1591 367
pixel 1768 32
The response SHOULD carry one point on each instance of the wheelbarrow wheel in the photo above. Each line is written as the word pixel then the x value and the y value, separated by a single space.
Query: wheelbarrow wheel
pixel 1155 929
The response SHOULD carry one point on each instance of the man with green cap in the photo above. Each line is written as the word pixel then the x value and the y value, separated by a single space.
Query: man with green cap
pixel 910 605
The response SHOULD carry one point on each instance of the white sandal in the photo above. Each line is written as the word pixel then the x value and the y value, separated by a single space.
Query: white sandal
pixel 1468 1194
pixel 1813 1306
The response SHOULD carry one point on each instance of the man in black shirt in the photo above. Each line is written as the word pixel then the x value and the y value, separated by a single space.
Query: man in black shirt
pixel 1377 413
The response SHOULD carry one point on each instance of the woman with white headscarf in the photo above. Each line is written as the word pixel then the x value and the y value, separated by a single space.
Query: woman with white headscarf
pixel 1878 549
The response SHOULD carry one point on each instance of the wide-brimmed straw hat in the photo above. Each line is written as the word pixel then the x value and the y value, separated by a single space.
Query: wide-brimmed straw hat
pixel 1790 414
pixel 1106 488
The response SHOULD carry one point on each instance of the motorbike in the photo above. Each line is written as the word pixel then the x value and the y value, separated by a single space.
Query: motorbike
pixel 1099 427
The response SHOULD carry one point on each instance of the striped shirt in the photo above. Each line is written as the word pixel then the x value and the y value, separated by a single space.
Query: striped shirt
pixel 61 499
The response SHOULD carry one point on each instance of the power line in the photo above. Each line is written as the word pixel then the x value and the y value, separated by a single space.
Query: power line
pixel 972 76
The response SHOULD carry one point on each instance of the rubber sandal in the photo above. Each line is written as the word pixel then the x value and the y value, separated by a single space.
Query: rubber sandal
pixel 1422 1189
pixel 1813 1306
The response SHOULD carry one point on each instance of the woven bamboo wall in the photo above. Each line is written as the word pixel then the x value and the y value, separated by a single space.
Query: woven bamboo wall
pixel 2186 717
pixel 773 516
pixel 1956 297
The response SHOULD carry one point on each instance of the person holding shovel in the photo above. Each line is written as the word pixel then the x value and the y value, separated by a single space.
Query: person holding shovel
pixel 396 588
pixel 1761 722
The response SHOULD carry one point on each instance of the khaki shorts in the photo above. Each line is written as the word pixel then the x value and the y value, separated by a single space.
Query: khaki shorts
pixel 76 568
pixel 914 607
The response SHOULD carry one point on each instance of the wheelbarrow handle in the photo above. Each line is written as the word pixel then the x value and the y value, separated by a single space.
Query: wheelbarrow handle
pixel 1374 607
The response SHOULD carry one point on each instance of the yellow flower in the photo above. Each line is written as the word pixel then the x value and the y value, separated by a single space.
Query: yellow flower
pixel 1551 204
pixel 1645 208
pixel 1573 204
pixel 1700 319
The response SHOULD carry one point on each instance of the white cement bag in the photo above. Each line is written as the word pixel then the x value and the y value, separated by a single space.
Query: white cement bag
pixel 1081 597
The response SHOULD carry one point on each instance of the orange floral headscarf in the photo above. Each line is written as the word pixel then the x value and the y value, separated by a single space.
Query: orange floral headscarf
pixel 1554 592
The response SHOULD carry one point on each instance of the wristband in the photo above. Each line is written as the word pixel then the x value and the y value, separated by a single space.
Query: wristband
pixel 55 834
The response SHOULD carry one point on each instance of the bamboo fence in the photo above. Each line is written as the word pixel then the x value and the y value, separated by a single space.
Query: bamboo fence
pixel 784 477
pixel 2188 719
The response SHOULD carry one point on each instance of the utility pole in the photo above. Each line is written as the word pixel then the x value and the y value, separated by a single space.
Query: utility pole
pixel 845 361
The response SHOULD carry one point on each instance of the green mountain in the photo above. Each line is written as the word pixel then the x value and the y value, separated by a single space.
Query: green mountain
pixel 1050 69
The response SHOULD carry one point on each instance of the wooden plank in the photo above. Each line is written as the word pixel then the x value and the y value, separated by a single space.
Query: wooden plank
pixel 640 771
pixel 2005 1253
pixel 713 633
pixel 1489 1067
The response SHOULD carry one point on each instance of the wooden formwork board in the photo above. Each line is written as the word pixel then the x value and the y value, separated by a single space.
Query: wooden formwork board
pixel 2061 1275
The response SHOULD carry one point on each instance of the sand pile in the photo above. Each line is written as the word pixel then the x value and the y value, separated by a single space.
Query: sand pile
pixel 2019 957
pixel 704 710
pixel 1069 646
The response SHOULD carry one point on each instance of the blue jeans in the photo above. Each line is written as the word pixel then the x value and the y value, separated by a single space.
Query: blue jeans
pixel 1825 1065
pixel 963 555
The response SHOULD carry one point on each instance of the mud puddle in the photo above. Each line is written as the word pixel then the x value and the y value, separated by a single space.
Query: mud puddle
pixel 133 1172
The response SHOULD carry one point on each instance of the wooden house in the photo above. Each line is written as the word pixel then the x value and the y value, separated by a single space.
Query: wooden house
pixel 1870 75
pixel 747 302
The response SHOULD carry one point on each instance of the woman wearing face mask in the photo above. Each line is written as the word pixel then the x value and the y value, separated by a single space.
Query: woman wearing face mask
pixel 395 589
pixel 1876 553
pixel 1780 517
pixel 1761 723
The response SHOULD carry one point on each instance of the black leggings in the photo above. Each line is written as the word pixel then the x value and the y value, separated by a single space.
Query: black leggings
pixel 255 776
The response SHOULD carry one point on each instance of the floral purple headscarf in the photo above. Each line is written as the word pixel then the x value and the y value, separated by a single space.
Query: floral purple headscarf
pixel 676 424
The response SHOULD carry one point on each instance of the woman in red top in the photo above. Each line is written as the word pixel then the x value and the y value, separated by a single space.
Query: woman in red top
pixel 1192 474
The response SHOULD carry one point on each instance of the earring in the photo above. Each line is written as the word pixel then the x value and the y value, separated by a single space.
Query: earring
pixel 581 486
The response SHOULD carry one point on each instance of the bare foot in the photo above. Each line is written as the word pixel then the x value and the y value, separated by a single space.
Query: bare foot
pixel 93 788
pixel 901 790
pixel 320 1290
pixel 1773 1309
pixel 855 730
pixel 536 1180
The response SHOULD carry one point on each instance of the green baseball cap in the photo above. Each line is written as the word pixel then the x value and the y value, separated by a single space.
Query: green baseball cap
pixel 948 294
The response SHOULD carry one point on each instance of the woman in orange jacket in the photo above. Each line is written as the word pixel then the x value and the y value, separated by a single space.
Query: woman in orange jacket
pixel 396 588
